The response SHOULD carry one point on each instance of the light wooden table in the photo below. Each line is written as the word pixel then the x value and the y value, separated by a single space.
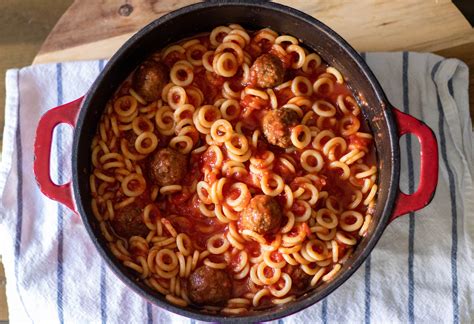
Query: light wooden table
pixel 92 29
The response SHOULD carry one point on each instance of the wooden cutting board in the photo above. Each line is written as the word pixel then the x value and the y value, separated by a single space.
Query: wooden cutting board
pixel 92 29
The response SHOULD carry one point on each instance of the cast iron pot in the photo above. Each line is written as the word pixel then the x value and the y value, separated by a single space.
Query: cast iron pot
pixel 386 123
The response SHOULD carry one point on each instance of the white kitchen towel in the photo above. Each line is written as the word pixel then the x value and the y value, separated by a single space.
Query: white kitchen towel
pixel 420 271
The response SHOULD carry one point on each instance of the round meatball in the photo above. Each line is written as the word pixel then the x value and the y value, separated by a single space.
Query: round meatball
pixel 267 71
pixel 300 279
pixel 262 215
pixel 128 222
pixel 276 126
pixel 209 286
pixel 149 80
pixel 167 166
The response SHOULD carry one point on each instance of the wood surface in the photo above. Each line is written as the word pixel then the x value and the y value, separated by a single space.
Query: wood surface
pixel 93 29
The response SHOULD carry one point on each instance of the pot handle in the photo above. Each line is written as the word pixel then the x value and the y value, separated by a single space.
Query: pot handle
pixel 428 165
pixel 66 113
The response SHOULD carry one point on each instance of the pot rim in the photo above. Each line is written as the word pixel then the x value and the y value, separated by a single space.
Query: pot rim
pixel 274 312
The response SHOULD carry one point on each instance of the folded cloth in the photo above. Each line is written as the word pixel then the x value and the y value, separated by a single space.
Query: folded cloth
pixel 420 271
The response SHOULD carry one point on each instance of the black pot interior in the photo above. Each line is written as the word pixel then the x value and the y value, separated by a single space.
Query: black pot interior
pixel 204 17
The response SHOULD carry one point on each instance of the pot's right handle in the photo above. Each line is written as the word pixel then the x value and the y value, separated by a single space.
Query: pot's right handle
pixel 66 113
pixel 428 165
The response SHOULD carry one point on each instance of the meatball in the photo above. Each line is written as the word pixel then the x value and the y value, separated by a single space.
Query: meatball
pixel 149 80
pixel 209 286
pixel 262 215
pixel 267 71
pixel 167 166
pixel 276 126
pixel 128 222
pixel 300 279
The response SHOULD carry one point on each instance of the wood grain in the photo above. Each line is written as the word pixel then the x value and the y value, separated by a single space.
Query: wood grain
pixel 95 29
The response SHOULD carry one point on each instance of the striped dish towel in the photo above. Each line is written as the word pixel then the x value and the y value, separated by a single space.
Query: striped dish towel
pixel 420 271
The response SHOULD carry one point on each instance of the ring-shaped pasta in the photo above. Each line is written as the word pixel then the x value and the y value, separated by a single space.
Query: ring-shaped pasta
pixel 229 93
pixel 221 130
pixel 194 54
pixel 239 54
pixel 225 64
pixel 239 202
pixel 323 108
pixel 286 287
pixel 272 184
pixel 317 250
pixel 313 57
pixel 341 103
pixel 336 73
pixel 301 86
pixel 307 211
pixel 301 55
pixel 346 172
pixel 344 238
pixel 184 244
pixel 164 119
pixel 138 182
pixel 182 143
pixel 230 109
pixel 183 112
pixel 168 190
pixel 311 166
pixel 356 221
pixel 141 142
pixel 166 260
pixel 263 160
pixel 326 218
pixel 239 40
pixel 237 144
pixel 300 136
pixel 207 60
pixel 142 124
pixel 323 81
pixel 261 273
pixel 317 141
pixel 173 48
pixel 217 244
pixel 216 35
pixel 332 144
pixel 182 74
pixel 349 125
pixel 176 97
pixel 285 39
pixel 207 115
pixel 295 108
pixel 289 224
pixel 267 258
pixel 125 106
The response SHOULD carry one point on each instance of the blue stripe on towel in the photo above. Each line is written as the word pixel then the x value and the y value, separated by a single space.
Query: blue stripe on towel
pixel 367 267
pixel 103 295
pixel 59 273
pixel 149 313
pixel 103 282
pixel 19 192
pixel 411 189
pixel 452 196
pixel 324 310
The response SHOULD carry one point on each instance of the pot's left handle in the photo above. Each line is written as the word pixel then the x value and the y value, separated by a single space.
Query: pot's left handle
pixel 66 113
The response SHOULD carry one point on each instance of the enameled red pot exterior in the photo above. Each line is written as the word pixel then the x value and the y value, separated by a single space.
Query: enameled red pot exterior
pixel 386 123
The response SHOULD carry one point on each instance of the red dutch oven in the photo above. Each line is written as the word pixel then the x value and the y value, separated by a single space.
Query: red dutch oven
pixel 387 123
